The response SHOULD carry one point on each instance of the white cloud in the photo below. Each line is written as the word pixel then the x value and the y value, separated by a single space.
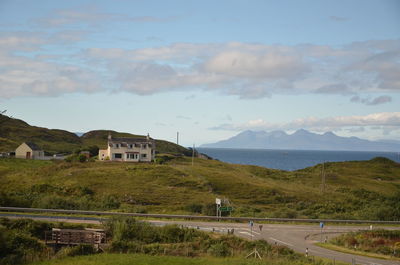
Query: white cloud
pixel 256 70
pixel 246 70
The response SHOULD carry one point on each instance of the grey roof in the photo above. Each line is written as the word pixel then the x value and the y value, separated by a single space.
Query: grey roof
pixel 33 146
pixel 130 140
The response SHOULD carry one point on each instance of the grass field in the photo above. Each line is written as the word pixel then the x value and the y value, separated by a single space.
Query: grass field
pixel 137 259
pixel 362 190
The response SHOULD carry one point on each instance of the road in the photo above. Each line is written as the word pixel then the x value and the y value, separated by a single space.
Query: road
pixel 296 237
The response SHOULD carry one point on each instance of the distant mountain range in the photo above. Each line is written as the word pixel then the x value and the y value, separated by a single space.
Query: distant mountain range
pixel 304 140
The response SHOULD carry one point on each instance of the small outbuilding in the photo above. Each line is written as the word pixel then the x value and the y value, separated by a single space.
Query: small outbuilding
pixel 29 150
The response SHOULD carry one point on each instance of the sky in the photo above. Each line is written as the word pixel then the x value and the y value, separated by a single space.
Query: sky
pixel 205 69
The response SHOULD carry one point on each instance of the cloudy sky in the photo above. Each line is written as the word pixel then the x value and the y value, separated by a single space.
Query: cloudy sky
pixel 208 69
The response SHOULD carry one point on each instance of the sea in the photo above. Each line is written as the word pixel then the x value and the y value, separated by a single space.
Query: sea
pixel 290 159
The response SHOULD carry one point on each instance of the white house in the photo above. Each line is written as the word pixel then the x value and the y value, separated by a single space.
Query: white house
pixel 129 149
pixel 29 150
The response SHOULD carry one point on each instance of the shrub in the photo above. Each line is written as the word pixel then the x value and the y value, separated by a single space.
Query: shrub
pixel 194 208
pixel 219 249
pixel 82 158
pixel 83 249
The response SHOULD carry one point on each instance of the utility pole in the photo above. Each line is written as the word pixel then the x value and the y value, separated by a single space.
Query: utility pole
pixel 177 138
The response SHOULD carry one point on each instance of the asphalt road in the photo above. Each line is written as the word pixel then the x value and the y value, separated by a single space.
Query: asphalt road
pixel 296 237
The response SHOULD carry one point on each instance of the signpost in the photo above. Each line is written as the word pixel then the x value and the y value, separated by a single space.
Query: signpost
pixel 218 203
pixel 220 208
pixel 321 225
pixel 226 208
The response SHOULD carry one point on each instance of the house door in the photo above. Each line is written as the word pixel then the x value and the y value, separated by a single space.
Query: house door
pixel 28 155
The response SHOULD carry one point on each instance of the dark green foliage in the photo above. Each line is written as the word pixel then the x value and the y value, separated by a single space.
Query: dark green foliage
pixel 82 158
pixel 16 245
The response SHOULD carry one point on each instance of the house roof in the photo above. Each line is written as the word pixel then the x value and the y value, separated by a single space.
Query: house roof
pixel 33 146
pixel 130 140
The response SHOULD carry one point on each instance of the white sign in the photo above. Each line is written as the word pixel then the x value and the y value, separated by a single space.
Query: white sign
pixel 218 201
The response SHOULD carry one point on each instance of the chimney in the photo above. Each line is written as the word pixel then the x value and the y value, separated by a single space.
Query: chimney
pixel 148 136
pixel 109 136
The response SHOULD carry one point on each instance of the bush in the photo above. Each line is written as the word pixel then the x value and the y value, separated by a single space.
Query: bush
pixel 219 249
pixel 54 202
pixel 110 202
pixel 82 158
pixel 14 246
pixel 83 249
pixel 194 208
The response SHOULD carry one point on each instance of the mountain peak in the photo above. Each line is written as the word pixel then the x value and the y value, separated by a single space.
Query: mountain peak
pixel 329 134
pixel 302 132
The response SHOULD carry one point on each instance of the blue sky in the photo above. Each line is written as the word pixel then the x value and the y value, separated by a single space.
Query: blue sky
pixel 208 69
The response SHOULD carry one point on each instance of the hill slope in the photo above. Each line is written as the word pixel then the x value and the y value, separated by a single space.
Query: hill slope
pixel 303 140
pixel 364 189
pixel 13 132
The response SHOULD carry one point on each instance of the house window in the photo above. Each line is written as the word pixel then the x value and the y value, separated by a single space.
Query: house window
pixel 131 146
pixel 143 155
pixel 117 155
pixel 131 156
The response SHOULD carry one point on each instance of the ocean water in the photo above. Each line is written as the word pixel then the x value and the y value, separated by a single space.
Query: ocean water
pixel 290 159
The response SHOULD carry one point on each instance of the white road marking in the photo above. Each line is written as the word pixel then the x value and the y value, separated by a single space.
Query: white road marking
pixel 254 232
pixel 246 233
pixel 281 242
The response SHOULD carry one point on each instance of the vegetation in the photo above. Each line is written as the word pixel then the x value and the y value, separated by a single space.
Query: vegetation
pixel 384 242
pixel 131 236
pixel 354 190
pixel 22 243
pixel 21 240
pixel 13 132
pixel 141 259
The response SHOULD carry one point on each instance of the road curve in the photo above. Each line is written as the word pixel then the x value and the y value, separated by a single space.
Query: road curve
pixel 296 237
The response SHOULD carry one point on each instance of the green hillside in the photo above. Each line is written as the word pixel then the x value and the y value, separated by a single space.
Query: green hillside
pixel 13 132
pixel 360 189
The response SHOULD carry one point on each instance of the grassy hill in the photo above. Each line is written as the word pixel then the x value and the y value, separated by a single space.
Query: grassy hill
pixel 13 132
pixel 359 189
